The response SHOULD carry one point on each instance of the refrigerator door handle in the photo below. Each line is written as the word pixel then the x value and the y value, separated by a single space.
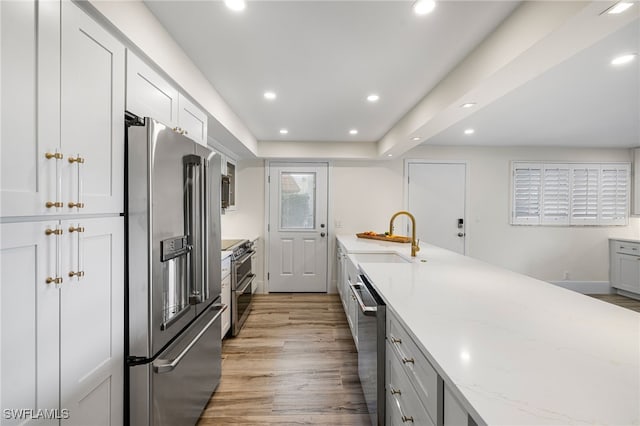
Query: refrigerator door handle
pixel 204 230
pixel 192 209
pixel 167 365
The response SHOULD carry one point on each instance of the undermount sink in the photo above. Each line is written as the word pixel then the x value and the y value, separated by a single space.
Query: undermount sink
pixel 379 258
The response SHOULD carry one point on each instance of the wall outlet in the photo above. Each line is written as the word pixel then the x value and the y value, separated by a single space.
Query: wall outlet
pixel 565 275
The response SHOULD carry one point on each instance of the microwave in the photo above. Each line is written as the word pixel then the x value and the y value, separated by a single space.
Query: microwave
pixel 225 191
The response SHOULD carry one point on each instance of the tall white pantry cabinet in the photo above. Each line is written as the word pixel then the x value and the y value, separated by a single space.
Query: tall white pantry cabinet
pixel 62 230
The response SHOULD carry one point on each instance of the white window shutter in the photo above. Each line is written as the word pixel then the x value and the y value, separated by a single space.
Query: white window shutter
pixel 584 194
pixel 614 194
pixel 555 194
pixel 527 181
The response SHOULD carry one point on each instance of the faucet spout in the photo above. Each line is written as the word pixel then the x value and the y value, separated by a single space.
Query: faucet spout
pixel 414 245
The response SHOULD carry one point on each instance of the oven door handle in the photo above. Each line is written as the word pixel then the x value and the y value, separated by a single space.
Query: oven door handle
pixel 165 365
pixel 248 280
pixel 244 257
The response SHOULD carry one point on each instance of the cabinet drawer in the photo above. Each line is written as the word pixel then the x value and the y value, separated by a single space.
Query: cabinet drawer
pixel 419 371
pixel 627 247
pixel 226 267
pixel 403 405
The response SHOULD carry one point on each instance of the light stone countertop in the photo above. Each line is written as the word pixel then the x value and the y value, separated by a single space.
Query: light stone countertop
pixel 520 351
pixel 225 254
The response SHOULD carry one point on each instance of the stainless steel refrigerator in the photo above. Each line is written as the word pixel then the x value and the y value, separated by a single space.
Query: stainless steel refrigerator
pixel 173 234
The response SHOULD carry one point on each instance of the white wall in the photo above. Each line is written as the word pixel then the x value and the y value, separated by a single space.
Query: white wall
pixel 364 195
pixel 247 221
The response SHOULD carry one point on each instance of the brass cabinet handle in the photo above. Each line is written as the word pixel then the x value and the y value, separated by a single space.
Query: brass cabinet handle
pixel 56 280
pixel 55 155
pixel 395 391
pixel 76 274
pixel 78 205
pixel 53 232
pixel 50 204
pixel 77 159
pixel 406 360
pixel 406 419
pixel 78 229
pixel 395 340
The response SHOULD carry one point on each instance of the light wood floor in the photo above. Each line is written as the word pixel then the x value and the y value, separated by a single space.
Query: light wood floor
pixel 616 299
pixel 293 363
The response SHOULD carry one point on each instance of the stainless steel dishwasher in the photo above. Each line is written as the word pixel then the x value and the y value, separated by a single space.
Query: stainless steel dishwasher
pixel 371 350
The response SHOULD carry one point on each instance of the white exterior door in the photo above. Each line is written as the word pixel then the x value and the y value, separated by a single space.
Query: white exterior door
pixel 436 197
pixel 92 321
pixel 298 227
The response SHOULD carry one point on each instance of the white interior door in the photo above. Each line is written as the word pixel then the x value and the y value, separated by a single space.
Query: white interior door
pixel 298 227
pixel 436 197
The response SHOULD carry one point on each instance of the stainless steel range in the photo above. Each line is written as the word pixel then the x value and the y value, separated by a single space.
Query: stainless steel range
pixel 241 281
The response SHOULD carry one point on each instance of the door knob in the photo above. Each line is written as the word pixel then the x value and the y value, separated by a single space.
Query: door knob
pixel 460 234
pixel 322 234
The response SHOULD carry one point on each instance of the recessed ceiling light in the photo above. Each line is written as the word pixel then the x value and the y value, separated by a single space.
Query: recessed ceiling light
pixel 468 105
pixel 416 138
pixel 422 7
pixel 283 131
pixel 235 5
pixel 373 98
pixel 270 95
pixel 624 59
pixel 353 132
pixel 469 132
pixel 389 155
pixel 619 8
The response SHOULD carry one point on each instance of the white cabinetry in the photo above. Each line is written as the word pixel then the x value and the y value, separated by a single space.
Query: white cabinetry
pixel 226 294
pixel 62 293
pixel 150 95
pixel 66 332
pixel 624 270
pixel 415 392
pixel 635 207
pixel 73 122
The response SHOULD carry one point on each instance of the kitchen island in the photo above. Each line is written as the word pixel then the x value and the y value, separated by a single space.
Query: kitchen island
pixel 513 350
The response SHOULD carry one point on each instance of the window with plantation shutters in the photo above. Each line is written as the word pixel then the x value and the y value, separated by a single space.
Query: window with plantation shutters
pixel 614 194
pixel 570 193
pixel 555 197
pixel 527 180
pixel 584 194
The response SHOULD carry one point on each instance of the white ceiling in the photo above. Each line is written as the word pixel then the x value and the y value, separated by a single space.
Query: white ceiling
pixel 584 101
pixel 323 58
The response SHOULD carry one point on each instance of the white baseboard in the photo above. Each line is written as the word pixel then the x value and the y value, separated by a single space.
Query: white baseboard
pixel 259 286
pixel 586 287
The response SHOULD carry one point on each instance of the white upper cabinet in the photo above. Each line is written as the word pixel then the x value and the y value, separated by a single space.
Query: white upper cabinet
pixel 30 125
pixel 192 121
pixel 92 125
pixel 150 95
pixel 62 144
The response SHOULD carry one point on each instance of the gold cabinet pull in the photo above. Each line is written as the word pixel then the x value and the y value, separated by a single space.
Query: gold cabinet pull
pixel 395 391
pixel 78 274
pixel 76 229
pixel 56 280
pixel 53 232
pixel 406 419
pixel 56 155
pixel 77 159
pixel 50 204
pixel 406 360
pixel 78 205
pixel 395 340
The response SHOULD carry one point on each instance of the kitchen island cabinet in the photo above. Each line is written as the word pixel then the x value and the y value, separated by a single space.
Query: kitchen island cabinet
pixel 509 349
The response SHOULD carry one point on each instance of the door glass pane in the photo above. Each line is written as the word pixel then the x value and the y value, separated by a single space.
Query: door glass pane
pixel 297 200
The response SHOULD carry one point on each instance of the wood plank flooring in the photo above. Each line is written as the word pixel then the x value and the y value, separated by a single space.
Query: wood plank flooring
pixel 616 299
pixel 293 363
